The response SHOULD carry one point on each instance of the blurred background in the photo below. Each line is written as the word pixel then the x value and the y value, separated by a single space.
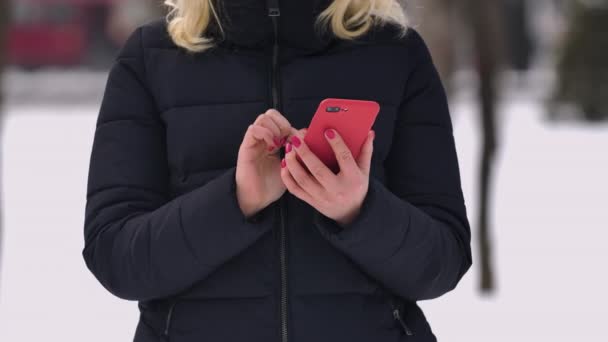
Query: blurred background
pixel 528 90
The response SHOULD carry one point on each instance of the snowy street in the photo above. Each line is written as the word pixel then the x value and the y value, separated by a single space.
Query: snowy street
pixel 550 229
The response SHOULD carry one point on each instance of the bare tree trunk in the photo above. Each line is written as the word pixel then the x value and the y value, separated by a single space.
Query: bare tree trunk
pixel 4 19
pixel 582 65
pixel 489 50
pixel 434 20
pixel 482 22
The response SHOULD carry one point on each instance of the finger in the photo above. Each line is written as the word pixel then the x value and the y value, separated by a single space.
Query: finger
pixel 260 133
pixel 344 156
pixel 321 173
pixel 281 121
pixel 293 187
pixel 298 132
pixel 365 157
pixel 301 175
pixel 268 122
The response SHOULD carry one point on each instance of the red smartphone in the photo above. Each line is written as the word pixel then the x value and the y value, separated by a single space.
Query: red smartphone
pixel 352 119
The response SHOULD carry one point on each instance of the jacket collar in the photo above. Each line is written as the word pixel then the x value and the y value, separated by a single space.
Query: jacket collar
pixel 246 24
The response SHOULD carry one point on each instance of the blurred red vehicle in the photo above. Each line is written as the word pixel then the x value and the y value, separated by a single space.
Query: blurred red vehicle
pixel 52 32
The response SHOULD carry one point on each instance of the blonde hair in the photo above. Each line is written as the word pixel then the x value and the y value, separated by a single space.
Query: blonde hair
pixel 348 19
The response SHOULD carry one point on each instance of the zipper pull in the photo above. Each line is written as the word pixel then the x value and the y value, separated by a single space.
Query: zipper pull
pixel 397 316
pixel 273 8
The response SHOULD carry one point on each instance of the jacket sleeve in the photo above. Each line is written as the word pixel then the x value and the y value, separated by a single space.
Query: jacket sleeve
pixel 412 235
pixel 139 243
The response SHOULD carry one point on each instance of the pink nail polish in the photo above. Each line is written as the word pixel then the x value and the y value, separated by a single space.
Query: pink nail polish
pixel 330 133
pixel 295 141
pixel 277 141
pixel 283 163
pixel 287 148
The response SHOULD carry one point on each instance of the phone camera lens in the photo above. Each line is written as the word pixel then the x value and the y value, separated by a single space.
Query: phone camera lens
pixel 332 109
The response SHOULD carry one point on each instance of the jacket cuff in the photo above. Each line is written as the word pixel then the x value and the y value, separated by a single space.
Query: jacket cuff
pixel 378 230
pixel 259 217
pixel 364 224
pixel 216 206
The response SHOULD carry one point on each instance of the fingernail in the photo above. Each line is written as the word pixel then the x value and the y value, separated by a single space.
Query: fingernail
pixel 270 148
pixel 295 141
pixel 283 163
pixel 287 148
pixel 330 133
pixel 283 140
pixel 277 141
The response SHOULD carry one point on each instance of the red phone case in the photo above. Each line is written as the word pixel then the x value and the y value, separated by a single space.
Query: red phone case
pixel 352 121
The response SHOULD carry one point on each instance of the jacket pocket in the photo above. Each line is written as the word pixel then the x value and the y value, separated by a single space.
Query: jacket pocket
pixel 398 312
pixel 398 315
pixel 219 319
pixel 409 316
pixel 165 336
pixel 157 315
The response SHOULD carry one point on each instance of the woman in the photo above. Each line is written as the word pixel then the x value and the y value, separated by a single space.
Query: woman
pixel 193 212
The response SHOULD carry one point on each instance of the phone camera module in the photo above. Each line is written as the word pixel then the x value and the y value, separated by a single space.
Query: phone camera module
pixel 332 109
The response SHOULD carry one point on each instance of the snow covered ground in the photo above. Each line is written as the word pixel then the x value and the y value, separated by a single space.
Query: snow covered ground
pixel 550 224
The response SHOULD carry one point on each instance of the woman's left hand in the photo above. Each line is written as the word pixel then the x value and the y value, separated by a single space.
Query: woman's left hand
pixel 337 196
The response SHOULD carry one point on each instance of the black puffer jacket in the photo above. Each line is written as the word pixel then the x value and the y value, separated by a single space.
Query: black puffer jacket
pixel 163 225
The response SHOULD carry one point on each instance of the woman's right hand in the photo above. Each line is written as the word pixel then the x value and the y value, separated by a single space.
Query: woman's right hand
pixel 258 171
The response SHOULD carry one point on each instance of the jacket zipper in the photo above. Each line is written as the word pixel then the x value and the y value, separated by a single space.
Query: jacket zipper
pixel 397 316
pixel 168 320
pixel 273 13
